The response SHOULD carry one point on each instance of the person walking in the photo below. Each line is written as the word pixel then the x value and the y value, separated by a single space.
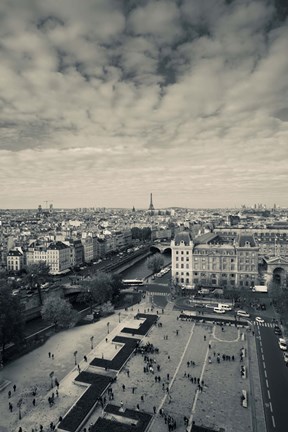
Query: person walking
pixel 14 387
pixel 34 402
pixel 10 407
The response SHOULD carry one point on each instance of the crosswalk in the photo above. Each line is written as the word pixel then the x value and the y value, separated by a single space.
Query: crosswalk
pixel 157 293
pixel 263 324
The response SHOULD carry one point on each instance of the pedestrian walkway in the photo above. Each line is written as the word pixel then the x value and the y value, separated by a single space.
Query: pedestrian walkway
pixel 263 324
pixel 185 375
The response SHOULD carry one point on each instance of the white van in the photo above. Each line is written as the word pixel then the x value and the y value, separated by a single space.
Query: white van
pixel 242 313
pixel 225 306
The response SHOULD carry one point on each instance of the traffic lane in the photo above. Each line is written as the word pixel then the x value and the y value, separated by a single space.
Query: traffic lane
pixel 266 395
pixel 277 378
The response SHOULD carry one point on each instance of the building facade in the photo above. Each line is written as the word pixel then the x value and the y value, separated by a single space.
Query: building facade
pixel 210 261
pixel 15 260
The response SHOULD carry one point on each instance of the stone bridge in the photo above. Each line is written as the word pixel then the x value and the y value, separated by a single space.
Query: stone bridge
pixel 161 247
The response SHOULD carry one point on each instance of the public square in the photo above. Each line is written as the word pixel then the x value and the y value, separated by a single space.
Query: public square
pixel 184 358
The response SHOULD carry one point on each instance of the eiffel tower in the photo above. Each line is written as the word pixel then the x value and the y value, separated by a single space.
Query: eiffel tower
pixel 151 207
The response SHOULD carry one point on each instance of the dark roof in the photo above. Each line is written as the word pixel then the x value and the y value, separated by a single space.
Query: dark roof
pixel 244 239
pixel 183 236
pixel 14 253
pixel 207 238
pixel 57 246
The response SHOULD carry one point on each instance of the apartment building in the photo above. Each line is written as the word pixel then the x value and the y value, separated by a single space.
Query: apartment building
pixel 15 260
pixel 209 260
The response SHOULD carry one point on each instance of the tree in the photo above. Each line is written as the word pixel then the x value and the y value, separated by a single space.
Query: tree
pixel 281 304
pixel 141 233
pixel 36 275
pixel 155 262
pixel 117 286
pixel 59 312
pixel 99 288
pixel 11 317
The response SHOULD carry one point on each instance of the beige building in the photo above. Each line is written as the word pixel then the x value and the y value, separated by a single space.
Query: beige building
pixel 210 261
pixel 56 255
pixel 58 258
pixel 15 260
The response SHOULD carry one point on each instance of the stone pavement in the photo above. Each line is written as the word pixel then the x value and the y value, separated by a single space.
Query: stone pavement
pixel 217 405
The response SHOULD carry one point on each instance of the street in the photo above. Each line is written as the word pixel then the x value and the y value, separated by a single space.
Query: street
pixel 274 379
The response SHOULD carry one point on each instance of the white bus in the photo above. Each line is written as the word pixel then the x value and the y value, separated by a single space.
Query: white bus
pixel 133 282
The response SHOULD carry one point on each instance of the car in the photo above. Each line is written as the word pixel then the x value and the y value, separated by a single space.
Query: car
pixel 282 344
pixel 219 310
pixel 285 356
pixel 259 320
pixel 277 330
pixel 243 313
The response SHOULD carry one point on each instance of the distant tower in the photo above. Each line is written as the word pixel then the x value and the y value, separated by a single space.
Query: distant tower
pixel 151 207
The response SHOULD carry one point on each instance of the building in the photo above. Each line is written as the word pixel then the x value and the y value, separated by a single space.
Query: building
pixel 88 249
pixel 208 260
pixel 56 255
pixel 15 260
pixel 58 258
pixel 272 241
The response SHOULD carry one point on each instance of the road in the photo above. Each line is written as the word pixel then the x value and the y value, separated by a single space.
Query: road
pixel 274 379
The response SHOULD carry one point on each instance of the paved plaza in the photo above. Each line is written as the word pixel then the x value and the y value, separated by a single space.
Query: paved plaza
pixel 188 353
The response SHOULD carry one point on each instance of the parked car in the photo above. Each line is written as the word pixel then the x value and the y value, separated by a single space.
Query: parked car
pixel 285 355
pixel 259 320
pixel 242 313
pixel 219 310
pixel 282 344
pixel 277 330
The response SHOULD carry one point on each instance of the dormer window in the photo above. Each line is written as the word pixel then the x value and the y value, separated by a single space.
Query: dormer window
pixel 247 244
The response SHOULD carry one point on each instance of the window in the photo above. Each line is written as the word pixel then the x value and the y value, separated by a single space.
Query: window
pixel 187 253
pixel 177 258
pixel 187 266
pixel 177 252
pixel 187 273
pixel 182 258
pixel 187 280
pixel 182 252
pixel 177 265
pixel 195 273
pixel 182 265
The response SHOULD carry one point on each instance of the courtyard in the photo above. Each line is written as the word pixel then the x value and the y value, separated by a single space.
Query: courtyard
pixel 198 378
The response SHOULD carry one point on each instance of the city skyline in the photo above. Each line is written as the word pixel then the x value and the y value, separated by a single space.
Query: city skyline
pixel 108 101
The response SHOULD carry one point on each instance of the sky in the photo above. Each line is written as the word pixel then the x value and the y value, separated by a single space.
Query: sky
pixel 104 101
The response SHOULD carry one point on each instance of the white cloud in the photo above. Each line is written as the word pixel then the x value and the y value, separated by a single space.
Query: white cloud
pixel 112 105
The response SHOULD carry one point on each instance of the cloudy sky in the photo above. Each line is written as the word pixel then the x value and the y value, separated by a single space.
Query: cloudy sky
pixel 105 101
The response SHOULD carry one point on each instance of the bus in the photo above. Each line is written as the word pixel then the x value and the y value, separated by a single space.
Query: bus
pixel 133 282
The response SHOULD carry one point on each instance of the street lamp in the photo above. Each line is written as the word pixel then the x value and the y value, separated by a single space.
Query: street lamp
pixel 75 355
pixel 91 340
pixel 90 300
pixel 19 404
pixel 119 316
pixel 108 323
pixel 51 375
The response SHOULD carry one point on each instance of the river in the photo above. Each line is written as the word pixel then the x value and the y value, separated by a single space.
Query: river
pixel 140 270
